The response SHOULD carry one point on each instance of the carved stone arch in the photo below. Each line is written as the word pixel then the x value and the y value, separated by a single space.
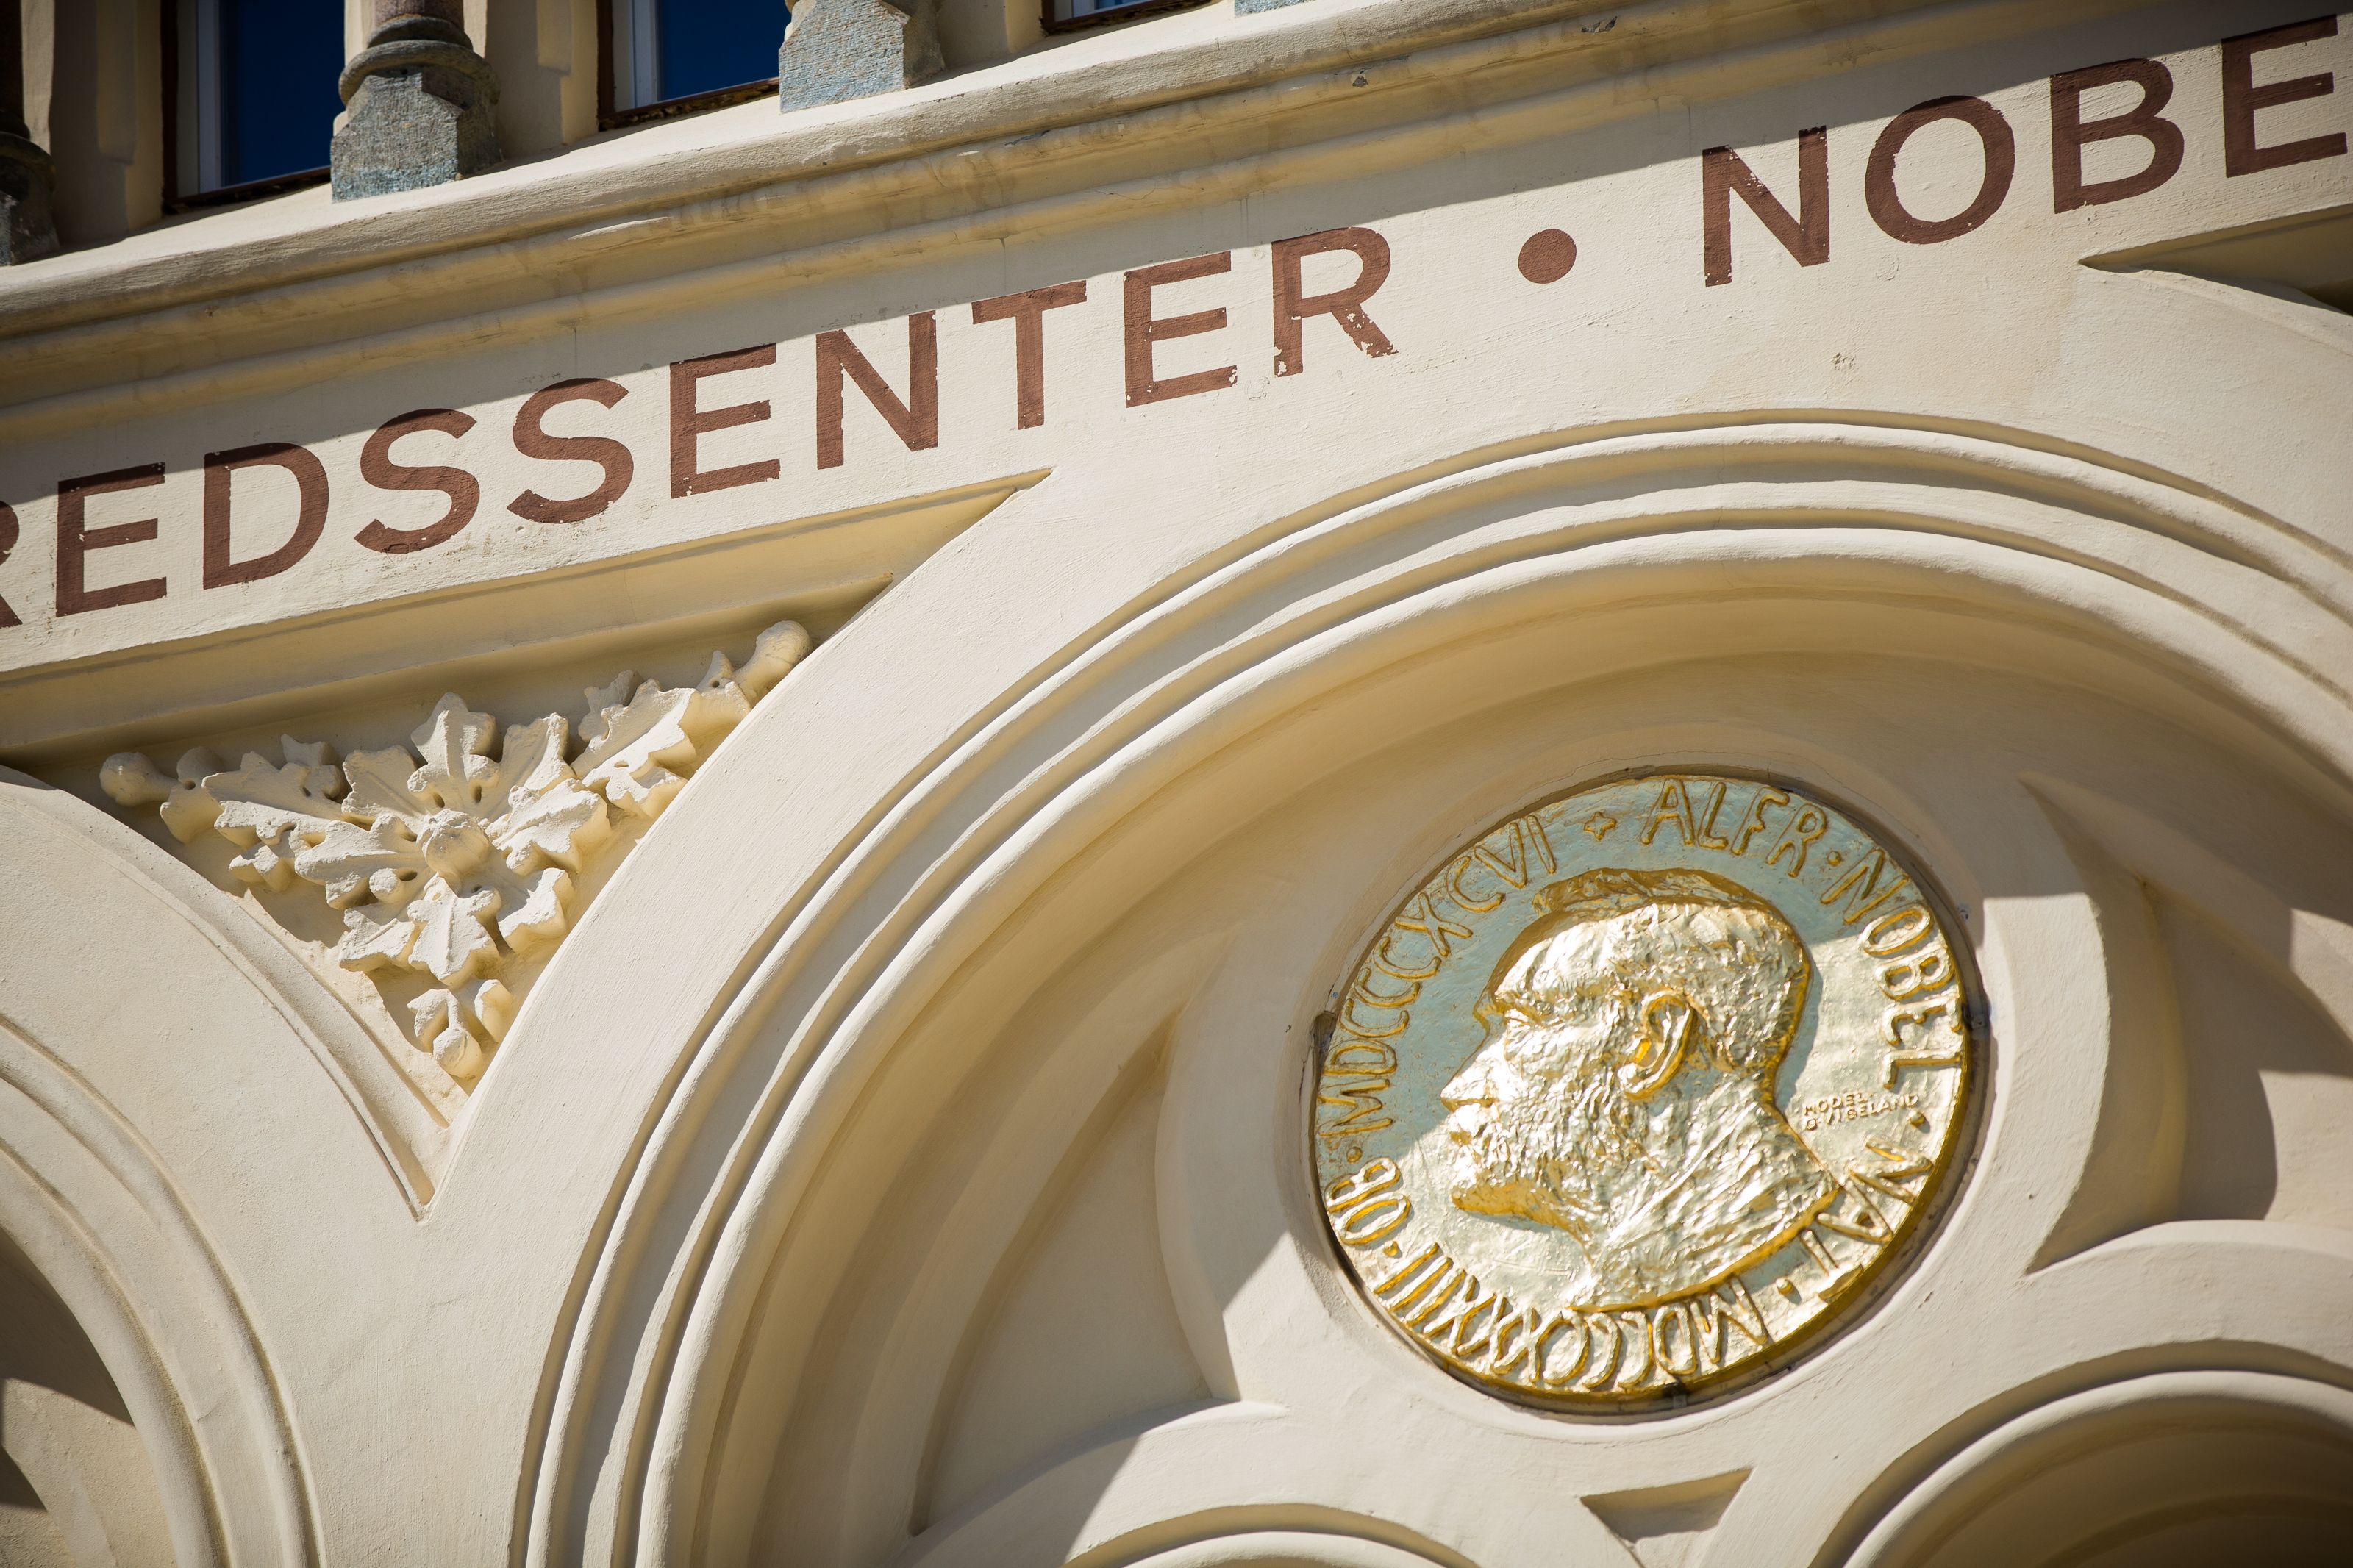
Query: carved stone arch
pixel 1422 660
pixel 410 1135
pixel 178 1449
pixel 2177 1467
pixel 160 1128
pixel 90 1430
pixel 1283 1549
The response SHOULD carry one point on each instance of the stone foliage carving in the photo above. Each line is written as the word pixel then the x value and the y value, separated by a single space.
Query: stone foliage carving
pixel 457 854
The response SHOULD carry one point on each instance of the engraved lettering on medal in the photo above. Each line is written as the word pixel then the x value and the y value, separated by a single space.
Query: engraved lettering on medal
pixel 1417 916
pixel 1714 1312
pixel 1565 1332
pixel 1835 1275
pixel 1601 1351
pixel 1804 828
pixel 1450 1281
pixel 1859 1221
pixel 1860 887
pixel 1361 1102
pixel 1366 1207
pixel 1634 1329
pixel 1360 1058
pixel 1889 1168
pixel 1409 1291
pixel 1752 821
pixel 1910 1050
pixel 1673 805
pixel 1673 1341
pixel 1706 834
pixel 1854 1105
pixel 1388 963
pixel 1474 903
pixel 1463 1309
pixel 1508 1342
pixel 1349 1009
pixel 1641 1089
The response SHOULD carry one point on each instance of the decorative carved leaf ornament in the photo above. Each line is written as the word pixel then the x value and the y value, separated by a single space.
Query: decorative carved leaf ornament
pixel 454 858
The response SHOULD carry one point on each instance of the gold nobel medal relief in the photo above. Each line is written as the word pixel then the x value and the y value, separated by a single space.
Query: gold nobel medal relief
pixel 1641 1089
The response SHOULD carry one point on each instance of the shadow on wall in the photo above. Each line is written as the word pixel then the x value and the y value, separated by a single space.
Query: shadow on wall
pixel 2265 1067
pixel 74 1484
pixel 2179 1471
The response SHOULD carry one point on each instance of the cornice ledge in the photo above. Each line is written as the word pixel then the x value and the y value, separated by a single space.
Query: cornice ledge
pixel 602 183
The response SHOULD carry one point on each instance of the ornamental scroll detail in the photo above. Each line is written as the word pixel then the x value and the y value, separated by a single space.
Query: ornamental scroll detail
pixel 457 858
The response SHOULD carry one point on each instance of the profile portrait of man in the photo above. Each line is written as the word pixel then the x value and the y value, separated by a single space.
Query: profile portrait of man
pixel 1624 1091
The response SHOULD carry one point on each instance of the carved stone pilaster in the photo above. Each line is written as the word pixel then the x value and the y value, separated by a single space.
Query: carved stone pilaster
pixel 835 51
pixel 420 104
pixel 27 230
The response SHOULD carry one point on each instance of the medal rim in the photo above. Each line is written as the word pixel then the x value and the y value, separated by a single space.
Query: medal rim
pixel 1951 1175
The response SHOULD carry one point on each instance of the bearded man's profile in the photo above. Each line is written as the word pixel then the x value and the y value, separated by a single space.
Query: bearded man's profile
pixel 1624 1094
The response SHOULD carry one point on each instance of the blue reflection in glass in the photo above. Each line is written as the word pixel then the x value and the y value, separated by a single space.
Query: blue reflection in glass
pixel 279 60
pixel 710 43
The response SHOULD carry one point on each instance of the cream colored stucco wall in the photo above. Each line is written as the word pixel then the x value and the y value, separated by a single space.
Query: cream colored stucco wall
pixel 901 1157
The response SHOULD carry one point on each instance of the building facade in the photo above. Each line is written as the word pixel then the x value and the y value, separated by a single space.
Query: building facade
pixel 1326 784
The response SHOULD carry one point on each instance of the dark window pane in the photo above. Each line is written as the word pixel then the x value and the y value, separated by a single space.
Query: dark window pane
pixel 1086 10
pixel 279 60
pixel 710 44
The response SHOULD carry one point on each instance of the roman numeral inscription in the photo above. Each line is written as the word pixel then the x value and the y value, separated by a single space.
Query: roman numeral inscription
pixel 1432 1297
pixel 1636 1091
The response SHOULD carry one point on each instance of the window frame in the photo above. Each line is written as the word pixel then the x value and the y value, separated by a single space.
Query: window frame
pixel 1052 23
pixel 610 117
pixel 176 200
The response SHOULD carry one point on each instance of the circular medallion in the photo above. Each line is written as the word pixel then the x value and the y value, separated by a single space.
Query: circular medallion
pixel 1641 1089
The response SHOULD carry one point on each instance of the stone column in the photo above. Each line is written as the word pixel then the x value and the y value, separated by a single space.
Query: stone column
pixel 835 51
pixel 28 230
pixel 420 104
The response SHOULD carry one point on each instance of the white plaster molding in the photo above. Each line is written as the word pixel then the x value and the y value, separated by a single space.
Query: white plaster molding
pixel 822 183
pixel 1895 551
pixel 1209 60
pixel 95 1209
pixel 2256 1438
pixel 818 570
pixel 445 860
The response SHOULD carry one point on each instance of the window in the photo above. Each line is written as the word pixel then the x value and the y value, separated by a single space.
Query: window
pixel 1062 15
pixel 665 56
pixel 253 100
